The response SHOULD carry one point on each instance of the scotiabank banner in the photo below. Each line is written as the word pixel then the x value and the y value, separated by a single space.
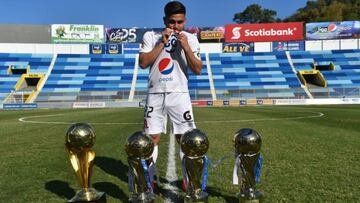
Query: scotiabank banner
pixel 264 32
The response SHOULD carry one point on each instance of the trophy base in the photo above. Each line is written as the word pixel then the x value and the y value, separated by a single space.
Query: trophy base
pixel 201 197
pixel 89 195
pixel 257 198
pixel 142 198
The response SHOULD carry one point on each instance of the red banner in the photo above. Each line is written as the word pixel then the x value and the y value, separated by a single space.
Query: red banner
pixel 264 32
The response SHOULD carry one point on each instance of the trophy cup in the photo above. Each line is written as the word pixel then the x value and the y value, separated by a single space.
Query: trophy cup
pixel 139 148
pixel 195 144
pixel 247 146
pixel 79 139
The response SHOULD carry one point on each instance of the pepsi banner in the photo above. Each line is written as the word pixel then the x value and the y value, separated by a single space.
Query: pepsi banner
pixel 127 35
pixel 288 46
pixel 208 34
pixel 333 30
pixel 238 47
pixel 264 32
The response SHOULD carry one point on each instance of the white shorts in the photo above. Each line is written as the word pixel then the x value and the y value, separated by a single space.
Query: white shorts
pixel 175 105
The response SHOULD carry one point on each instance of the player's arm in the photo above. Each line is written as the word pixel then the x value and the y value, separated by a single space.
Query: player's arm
pixel 147 58
pixel 194 63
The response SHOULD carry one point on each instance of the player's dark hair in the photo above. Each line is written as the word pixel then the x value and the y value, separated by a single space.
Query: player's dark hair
pixel 174 7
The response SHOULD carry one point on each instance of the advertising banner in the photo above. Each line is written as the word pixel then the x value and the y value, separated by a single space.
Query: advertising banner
pixel 97 49
pixel 20 106
pixel 333 30
pixel 72 33
pixel 113 48
pixel 208 34
pixel 127 35
pixel 288 46
pixel 264 32
pixel 238 47
pixel 131 48
pixel 105 49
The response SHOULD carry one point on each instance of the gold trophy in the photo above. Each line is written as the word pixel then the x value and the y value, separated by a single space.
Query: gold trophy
pixel 139 149
pixel 247 147
pixel 195 144
pixel 79 139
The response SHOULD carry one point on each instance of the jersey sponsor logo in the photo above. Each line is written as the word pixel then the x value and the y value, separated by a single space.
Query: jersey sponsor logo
pixel 166 66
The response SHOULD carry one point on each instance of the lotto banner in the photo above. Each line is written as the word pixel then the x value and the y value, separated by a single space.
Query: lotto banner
pixel 127 35
pixel 333 30
pixel 97 48
pixel 238 47
pixel 114 49
pixel 71 33
pixel 208 34
pixel 264 32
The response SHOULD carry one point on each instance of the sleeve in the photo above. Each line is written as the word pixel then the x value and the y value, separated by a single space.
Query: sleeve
pixel 147 43
pixel 194 45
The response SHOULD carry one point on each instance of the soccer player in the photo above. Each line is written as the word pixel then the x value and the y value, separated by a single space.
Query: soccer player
pixel 169 55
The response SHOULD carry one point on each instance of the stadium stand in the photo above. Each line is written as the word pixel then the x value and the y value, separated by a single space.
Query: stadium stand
pixel 13 66
pixel 87 77
pixel 342 81
pixel 254 75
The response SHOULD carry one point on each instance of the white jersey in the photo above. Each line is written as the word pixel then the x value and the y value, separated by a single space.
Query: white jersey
pixel 169 71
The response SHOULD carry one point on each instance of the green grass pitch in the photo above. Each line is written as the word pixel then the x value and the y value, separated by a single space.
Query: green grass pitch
pixel 311 153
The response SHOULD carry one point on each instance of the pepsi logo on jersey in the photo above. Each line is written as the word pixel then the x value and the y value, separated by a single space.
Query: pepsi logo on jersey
pixel 166 66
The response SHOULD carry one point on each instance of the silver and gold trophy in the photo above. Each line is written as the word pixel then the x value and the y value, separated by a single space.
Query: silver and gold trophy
pixel 195 144
pixel 79 139
pixel 139 148
pixel 247 165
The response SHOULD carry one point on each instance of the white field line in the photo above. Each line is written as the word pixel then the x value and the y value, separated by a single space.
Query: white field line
pixel 171 176
pixel 28 119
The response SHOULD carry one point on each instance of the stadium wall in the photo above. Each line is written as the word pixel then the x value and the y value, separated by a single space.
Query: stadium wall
pixel 37 34
pixel 311 45
pixel 197 103
pixel 44 48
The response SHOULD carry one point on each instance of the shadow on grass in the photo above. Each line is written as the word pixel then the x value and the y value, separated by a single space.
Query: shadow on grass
pixel 113 167
pixel 60 188
pixel 215 192
pixel 111 190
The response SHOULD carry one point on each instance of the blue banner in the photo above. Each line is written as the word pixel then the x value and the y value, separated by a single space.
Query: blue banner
pixel 238 47
pixel 20 106
pixel 133 48
pixel 333 30
pixel 97 48
pixel 288 46
pixel 114 49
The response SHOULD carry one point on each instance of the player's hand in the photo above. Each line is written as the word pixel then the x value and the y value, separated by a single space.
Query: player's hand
pixel 166 35
pixel 182 38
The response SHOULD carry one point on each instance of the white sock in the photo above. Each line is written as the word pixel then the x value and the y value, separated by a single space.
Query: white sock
pixel 152 167
pixel 183 168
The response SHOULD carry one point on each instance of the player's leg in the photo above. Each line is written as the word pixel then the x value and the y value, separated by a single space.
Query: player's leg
pixel 181 114
pixel 154 118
